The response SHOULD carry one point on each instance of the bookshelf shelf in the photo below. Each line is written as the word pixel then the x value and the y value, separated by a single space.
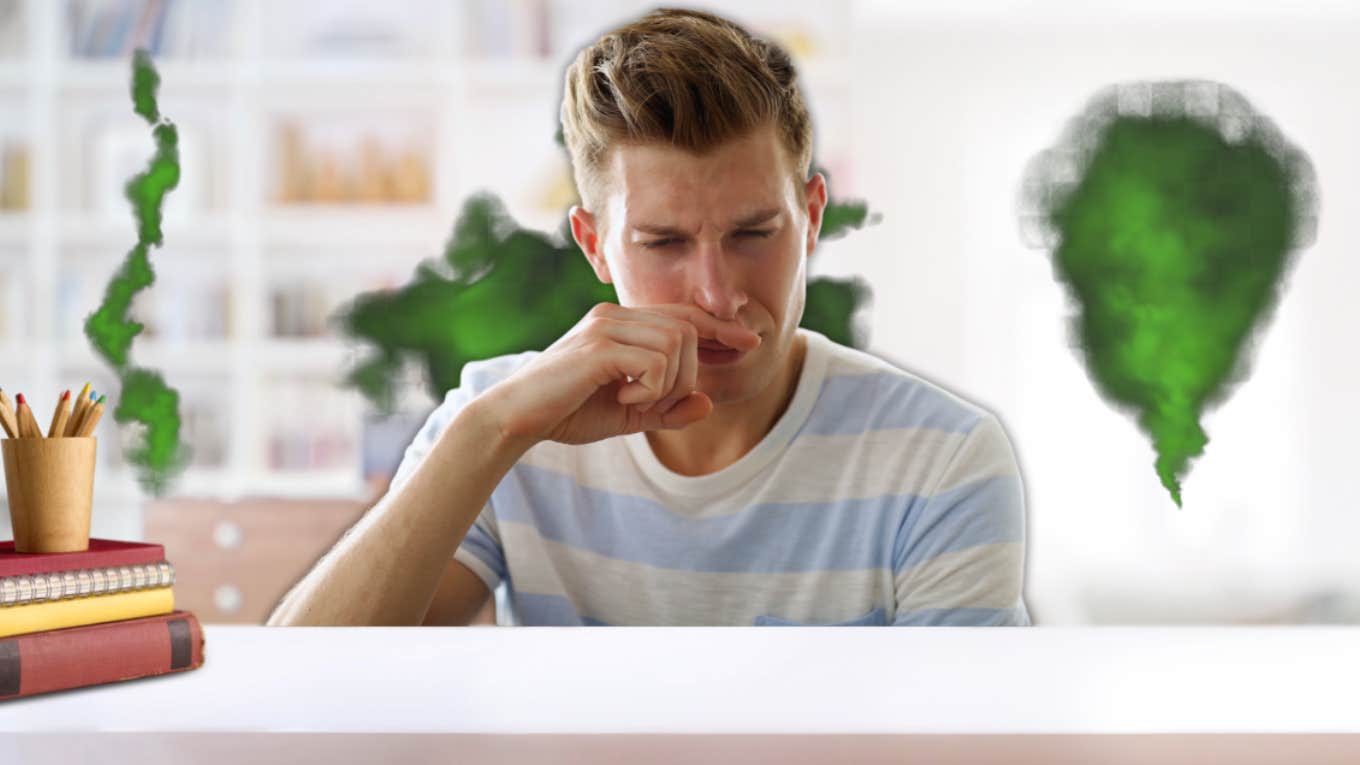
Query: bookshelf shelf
pixel 289 73
pixel 202 356
pixel 120 485
pixel 13 356
pixel 531 77
pixel 314 355
pixel 356 226
pixel 14 229
pixel 116 234
pixel 176 76
pixel 14 78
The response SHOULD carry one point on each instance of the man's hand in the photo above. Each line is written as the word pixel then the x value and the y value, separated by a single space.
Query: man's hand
pixel 618 371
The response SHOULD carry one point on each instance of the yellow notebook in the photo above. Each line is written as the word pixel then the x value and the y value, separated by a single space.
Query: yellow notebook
pixel 77 612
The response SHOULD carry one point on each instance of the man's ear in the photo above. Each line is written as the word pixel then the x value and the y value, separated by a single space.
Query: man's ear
pixel 588 238
pixel 814 191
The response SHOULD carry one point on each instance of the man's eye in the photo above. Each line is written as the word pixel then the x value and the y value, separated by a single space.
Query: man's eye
pixel 753 233
pixel 657 243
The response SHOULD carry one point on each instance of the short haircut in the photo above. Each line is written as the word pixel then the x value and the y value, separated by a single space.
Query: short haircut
pixel 685 78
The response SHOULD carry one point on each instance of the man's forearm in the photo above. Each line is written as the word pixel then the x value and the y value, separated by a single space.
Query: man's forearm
pixel 385 569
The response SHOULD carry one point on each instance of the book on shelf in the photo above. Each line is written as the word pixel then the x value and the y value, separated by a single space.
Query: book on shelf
pixel 12 29
pixel 112 580
pixel 354 163
pixel 57 660
pixel 103 29
pixel 14 177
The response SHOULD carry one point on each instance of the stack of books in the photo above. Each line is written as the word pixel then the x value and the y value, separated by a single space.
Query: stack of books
pixel 74 619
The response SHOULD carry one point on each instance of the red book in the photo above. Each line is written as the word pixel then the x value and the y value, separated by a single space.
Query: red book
pixel 55 660
pixel 103 553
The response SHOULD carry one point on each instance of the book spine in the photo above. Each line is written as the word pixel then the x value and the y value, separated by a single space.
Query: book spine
pixel 12 564
pixel 101 653
pixel 60 614
pixel 42 588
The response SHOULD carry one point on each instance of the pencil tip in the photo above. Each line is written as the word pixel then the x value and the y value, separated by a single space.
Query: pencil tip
pixel 101 399
pixel 65 395
pixel 19 398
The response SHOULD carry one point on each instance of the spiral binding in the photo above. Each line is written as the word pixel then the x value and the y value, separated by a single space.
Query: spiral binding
pixel 64 585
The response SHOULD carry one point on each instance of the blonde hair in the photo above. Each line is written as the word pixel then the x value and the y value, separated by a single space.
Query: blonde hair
pixel 687 78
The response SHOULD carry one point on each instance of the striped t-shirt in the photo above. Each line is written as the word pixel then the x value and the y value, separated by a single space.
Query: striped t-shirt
pixel 876 499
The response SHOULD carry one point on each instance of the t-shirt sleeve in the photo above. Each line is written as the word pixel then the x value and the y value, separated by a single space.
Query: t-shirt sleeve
pixel 959 559
pixel 481 548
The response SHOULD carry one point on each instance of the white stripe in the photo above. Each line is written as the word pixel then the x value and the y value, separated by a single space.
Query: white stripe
pixel 488 577
pixel 985 454
pixel 814 469
pixel 982 576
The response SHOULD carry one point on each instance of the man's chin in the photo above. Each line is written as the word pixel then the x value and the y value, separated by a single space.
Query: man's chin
pixel 725 388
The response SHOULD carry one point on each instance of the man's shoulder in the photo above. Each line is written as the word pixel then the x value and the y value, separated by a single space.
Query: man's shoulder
pixel 913 435
pixel 870 392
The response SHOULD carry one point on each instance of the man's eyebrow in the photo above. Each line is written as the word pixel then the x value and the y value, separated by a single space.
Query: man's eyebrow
pixel 750 220
pixel 757 217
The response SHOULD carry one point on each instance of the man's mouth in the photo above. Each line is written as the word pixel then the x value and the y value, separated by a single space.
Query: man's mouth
pixel 712 352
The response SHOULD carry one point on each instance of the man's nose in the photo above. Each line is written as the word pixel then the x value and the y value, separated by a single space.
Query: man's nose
pixel 715 288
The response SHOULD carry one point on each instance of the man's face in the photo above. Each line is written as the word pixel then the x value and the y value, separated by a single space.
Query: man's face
pixel 724 231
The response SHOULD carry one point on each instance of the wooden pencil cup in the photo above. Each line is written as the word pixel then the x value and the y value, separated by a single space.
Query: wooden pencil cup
pixel 50 482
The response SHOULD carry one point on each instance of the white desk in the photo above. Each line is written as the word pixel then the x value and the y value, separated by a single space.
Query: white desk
pixel 870 694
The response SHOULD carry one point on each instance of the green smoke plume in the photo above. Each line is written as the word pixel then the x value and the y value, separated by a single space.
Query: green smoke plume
pixel 500 288
pixel 145 398
pixel 1172 211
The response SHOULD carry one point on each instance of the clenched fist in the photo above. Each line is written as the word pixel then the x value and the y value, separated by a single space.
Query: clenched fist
pixel 618 371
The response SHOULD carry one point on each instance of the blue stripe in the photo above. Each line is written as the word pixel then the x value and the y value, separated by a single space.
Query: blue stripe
pixel 534 610
pixel 989 511
pixel 964 617
pixel 846 535
pixel 850 404
pixel 875 618
pixel 485 549
pixel 771 537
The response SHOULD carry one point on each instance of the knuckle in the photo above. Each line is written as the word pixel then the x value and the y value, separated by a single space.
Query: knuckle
pixel 596 325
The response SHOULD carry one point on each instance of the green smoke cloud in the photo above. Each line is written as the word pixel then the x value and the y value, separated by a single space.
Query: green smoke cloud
pixel 145 398
pixel 1172 211
pixel 499 288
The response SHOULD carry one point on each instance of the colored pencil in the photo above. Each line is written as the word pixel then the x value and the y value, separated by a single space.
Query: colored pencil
pixel 28 426
pixel 7 419
pixel 74 430
pixel 92 418
pixel 59 417
pixel 82 402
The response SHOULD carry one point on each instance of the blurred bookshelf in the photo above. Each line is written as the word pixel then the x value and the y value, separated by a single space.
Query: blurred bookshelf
pixel 326 150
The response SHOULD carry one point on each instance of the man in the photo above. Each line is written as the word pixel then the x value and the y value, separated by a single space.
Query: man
pixel 689 456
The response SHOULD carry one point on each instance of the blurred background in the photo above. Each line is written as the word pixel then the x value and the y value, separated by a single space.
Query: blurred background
pixel 327 149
